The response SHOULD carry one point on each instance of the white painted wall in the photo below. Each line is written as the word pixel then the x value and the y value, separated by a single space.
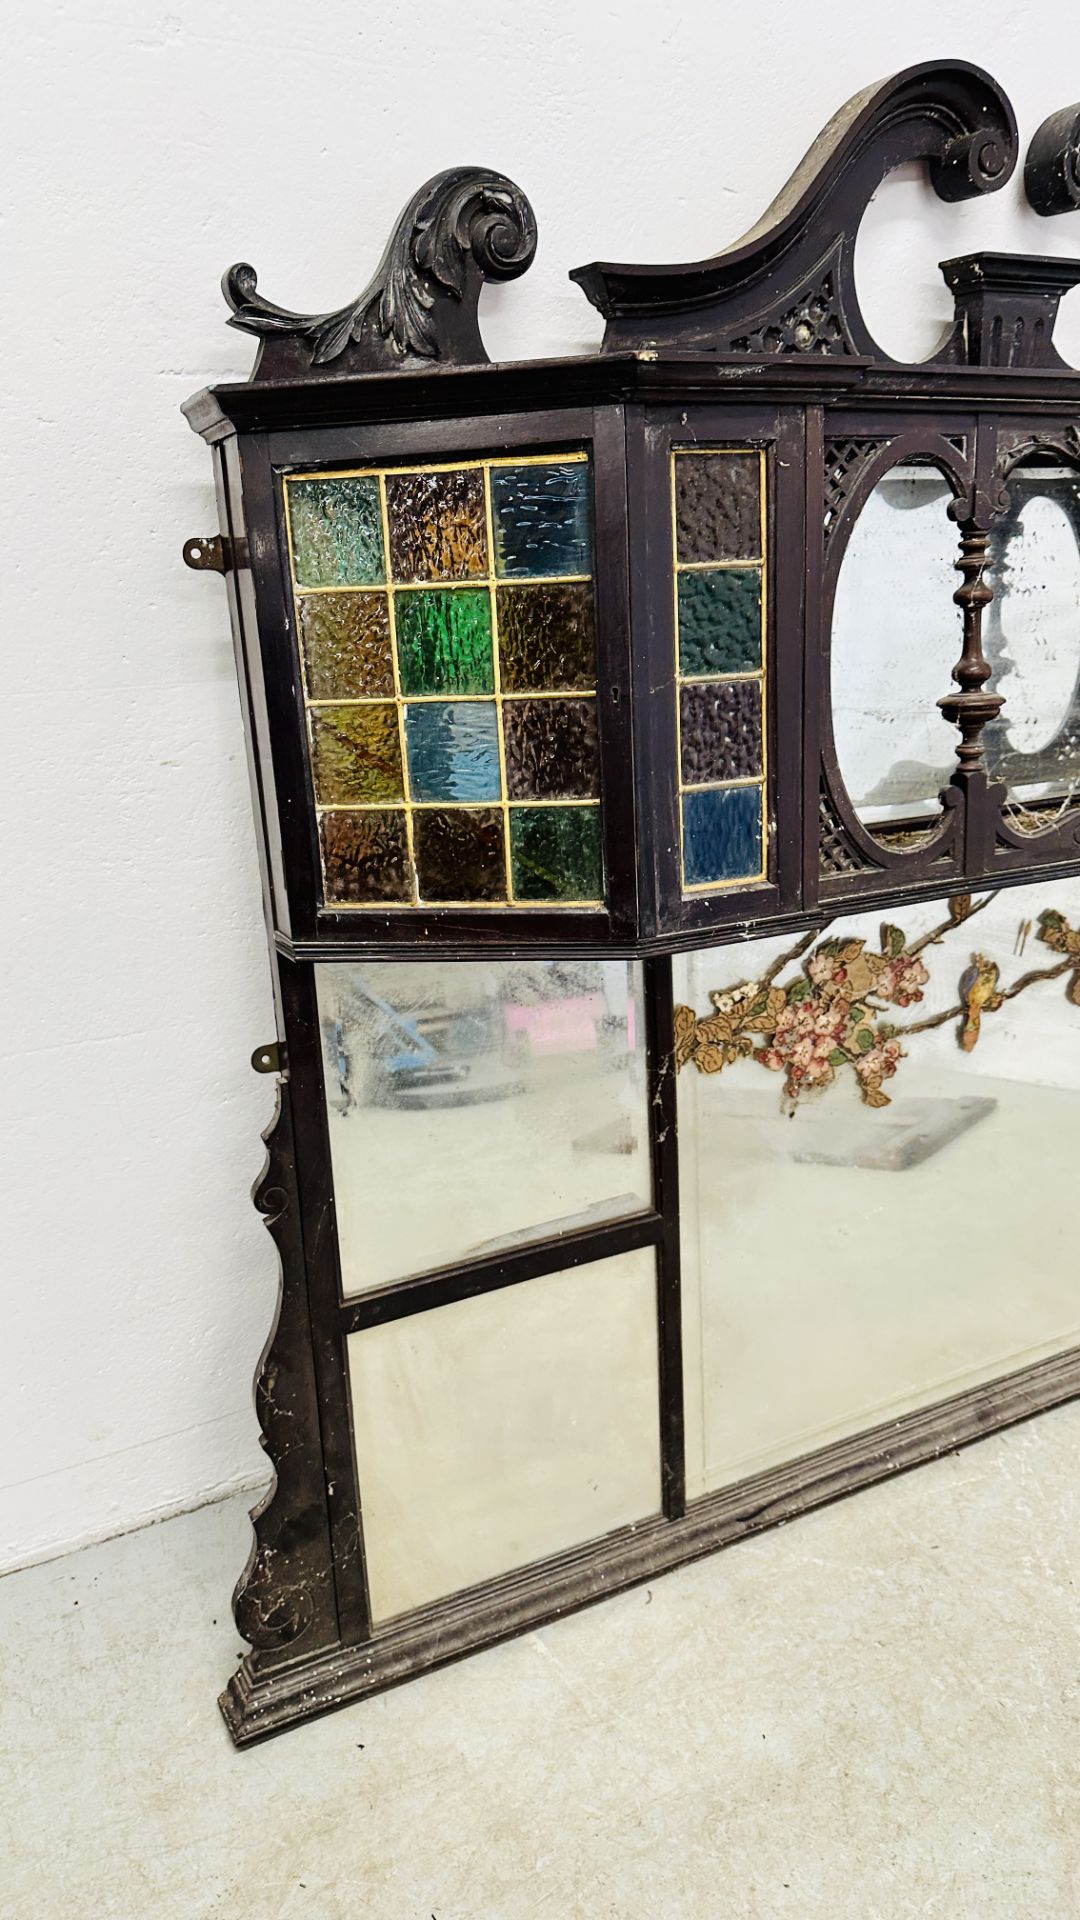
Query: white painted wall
pixel 149 146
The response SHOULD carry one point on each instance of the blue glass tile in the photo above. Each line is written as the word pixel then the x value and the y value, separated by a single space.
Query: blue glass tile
pixel 453 750
pixel 721 834
pixel 541 520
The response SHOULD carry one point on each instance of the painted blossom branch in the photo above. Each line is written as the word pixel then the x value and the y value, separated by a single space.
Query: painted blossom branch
pixel 1025 981
pixel 958 919
pixel 794 953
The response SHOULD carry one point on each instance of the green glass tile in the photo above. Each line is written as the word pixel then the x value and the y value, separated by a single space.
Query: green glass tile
pixel 555 853
pixel 346 643
pixel 720 621
pixel 547 640
pixel 438 525
pixel 337 532
pixel 366 855
pixel 444 640
pixel 356 754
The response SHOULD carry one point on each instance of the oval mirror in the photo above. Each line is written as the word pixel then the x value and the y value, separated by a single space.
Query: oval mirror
pixel 1032 636
pixel 895 640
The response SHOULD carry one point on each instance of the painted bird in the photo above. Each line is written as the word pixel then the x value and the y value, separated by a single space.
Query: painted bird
pixel 978 989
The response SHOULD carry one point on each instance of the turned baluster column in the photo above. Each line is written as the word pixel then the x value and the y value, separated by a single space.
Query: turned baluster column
pixel 971 707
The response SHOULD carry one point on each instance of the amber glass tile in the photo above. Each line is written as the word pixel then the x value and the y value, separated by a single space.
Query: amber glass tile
pixel 346 643
pixel 722 836
pixel 336 532
pixel 718 506
pixel 444 640
pixel 438 525
pixel 460 854
pixel 720 621
pixel 551 749
pixel 555 853
pixel 356 753
pixel 547 637
pixel 542 520
pixel 366 855
pixel 720 727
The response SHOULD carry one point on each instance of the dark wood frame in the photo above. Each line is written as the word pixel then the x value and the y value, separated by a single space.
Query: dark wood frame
pixel 763 345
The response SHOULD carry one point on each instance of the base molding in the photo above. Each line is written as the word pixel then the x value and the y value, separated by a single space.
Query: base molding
pixel 257 1705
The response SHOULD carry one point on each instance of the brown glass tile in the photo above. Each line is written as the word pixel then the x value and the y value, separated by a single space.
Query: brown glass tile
pixel 356 754
pixel 366 856
pixel 438 526
pixel 460 853
pixel 547 638
pixel 720 727
pixel 718 506
pixel 551 749
pixel 346 643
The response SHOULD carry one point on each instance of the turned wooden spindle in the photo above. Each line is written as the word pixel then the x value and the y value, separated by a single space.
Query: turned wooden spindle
pixel 971 707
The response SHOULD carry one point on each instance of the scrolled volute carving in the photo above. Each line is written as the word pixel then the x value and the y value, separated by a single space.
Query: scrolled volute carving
pixel 1052 166
pixel 739 302
pixel 462 227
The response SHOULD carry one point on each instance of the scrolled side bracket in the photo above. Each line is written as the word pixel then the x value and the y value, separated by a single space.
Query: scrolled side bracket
pixel 463 227
pixel 1052 166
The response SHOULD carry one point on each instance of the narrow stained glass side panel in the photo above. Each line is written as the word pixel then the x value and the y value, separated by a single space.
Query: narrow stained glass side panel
pixel 721 834
pixel 522 1082
pixel 718 506
pixel 496 1431
pixel 720 621
pixel 336 528
pixel 366 856
pixel 460 853
pixel 444 640
pixel 556 853
pixel 345 639
pixel 356 754
pixel 542 519
pixel 454 750
pixel 547 637
pixel 551 749
pixel 720 727
pixel 438 525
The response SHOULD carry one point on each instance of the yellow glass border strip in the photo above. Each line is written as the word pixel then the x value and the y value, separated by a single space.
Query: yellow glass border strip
pixel 756 562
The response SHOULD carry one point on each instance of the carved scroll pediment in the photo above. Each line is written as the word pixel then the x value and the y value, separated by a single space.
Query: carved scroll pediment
pixel 769 292
pixel 463 227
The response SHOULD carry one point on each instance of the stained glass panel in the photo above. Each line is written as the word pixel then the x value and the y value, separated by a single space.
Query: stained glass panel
pixel 413 690
pixel 719 522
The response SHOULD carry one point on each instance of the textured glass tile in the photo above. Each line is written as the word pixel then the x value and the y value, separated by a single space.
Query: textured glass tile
pixel 721 834
pixel 336 532
pixel 438 525
pixel 720 726
pixel 454 750
pixel 556 853
pixel 720 621
pixel 547 637
pixel 718 506
pixel 365 855
pixel 541 518
pixel 460 855
pixel 551 749
pixel 356 754
pixel 346 643
pixel 444 640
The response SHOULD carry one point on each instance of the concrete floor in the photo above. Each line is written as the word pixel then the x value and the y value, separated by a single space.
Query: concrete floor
pixel 872 1712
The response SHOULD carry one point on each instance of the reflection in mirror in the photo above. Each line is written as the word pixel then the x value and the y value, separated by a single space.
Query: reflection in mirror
pixel 895 640
pixel 477 1105
pixel 878 1148
pixel 1031 634
pixel 494 1431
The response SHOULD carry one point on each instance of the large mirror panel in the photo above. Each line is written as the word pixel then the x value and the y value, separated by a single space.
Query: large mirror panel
pixel 879 1131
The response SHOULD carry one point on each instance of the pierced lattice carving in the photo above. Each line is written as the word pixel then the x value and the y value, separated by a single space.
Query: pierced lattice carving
pixel 835 851
pixel 813 324
pixel 844 460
